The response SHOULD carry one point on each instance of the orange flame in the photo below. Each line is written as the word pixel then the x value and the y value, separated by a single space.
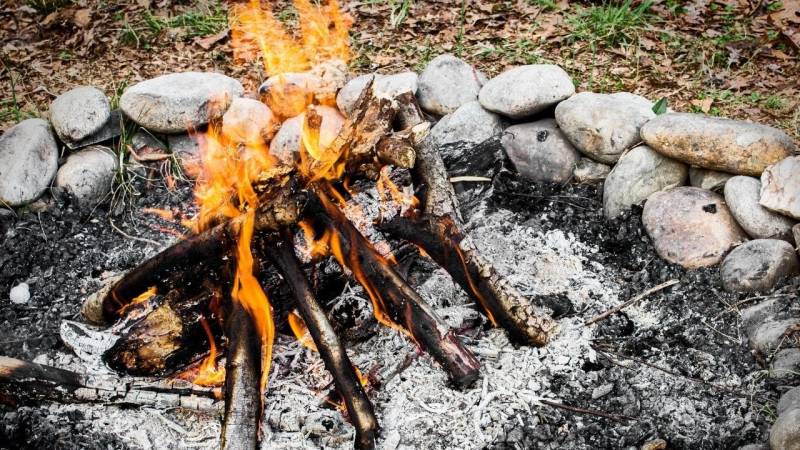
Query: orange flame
pixel 387 189
pixel 140 299
pixel 209 373
pixel 298 326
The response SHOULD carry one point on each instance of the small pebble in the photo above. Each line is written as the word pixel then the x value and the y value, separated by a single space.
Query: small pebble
pixel 20 294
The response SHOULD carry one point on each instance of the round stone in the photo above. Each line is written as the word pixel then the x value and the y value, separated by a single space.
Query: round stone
pixel 691 226
pixel 590 171
pixel 470 124
pixel 248 121
pixel 758 265
pixel 742 194
pixel 20 294
pixel 602 126
pixel 780 187
pixel 28 161
pixel 767 337
pixel 178 102
pixel 785 364
pixel 526 90
pixel 708 179
pixel 384 86
pixel 638 174
pixel 785 432
pixel 447 83
pixel 733 146
pixel 79 113
pixel 88 174
pixel 789 400
pixel 540 151
pixel 287 141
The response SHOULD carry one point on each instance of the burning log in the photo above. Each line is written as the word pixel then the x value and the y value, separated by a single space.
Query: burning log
pixel 331 350
pixel 23 382
pixel 438 230
pixel 391 294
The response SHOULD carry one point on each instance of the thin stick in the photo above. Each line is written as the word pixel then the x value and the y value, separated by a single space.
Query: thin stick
pixel 615 417
pixel 630 302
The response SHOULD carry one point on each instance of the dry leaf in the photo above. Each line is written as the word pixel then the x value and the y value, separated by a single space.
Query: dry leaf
pixel 704 104
pixel 82 17
pixel 207 42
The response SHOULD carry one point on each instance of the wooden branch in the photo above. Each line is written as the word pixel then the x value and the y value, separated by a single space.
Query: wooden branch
pixel 438 230
pixel 243 396
pixel 330 348
pixel 24 383
pixel 393 294
pixel 633 300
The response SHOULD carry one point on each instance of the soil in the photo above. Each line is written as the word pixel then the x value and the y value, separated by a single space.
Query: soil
pixel 674 366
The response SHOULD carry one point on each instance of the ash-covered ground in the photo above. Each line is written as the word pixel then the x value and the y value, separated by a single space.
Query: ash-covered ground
pixel 674 366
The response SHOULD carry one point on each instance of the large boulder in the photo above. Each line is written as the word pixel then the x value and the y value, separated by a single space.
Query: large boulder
pixel 733 146
pixel 179 101
pixel 28 161
pixel 742 195
pixel 383 86
pixel 785 432
pixel 691 226
pixel 758 265
pixel 780 187
pixel 79 113
pixel 87 175
pixel 248 121
pixel 470 124
pixel 602 126
pixel 523 91
pixel 638 174
pixel 540 151
pixel 447 83
pixel 708 179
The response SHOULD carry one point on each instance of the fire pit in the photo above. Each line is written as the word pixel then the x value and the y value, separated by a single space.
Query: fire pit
pixel 325 204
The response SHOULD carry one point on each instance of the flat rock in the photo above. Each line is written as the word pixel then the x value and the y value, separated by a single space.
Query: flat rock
pixel 145 144
pixel 638 174
pixel 768 336
pixel 87 175
pixel 790 399
pixel 691 226
pixel 786 364
pixel 785 432
pixel 286 144
pixel 758 265
pixel 79 113
pixel 602 126
pixel 742 194
pixel 110 130
pixel 708 179
pixel 383 86
pixel 177 102
pixel 248 121
pixel 540 151
pixel 470 124
pixel 28 161
pixel 780 187
pixel 733 146
pixel 590 171
pixel 447 83
pixel 526 90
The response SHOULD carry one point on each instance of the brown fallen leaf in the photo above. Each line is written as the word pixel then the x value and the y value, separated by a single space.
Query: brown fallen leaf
pixel 82 17
pixel 209 41
pixel 704 104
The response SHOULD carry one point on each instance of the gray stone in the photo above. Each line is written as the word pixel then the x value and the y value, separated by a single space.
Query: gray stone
pixel 447 83
pixel 742 194
pixel 754 447
pixel 540 151
pixel 470 124
pixel 248 121
pixel 780 187
pixel 144 142
pixel 733 146
pixel 708 179
pixel 110 130
pixel 79 113
pixel 796 234
pixel 526 90
pixel 786 364
pixel 88 174
pixel 286 144
pixel 790 399
pixel 769 335
pixel 602 390
pixel 20 294
pixel 602 126
pixel 638 174
pixel 383 86
pixel 185 145
pixel 28 161
pixel 177 102
pixel 785 432
pixel 754 316
pixel 758 265
pixel 690 226
pixel 590 171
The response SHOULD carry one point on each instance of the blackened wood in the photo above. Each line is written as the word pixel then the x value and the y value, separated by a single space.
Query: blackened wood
pixel 405 307
pixel 27 383
pixel 330 348
pixel 243 396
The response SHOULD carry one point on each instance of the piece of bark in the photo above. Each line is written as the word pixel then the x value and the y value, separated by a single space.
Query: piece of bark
pixel 330 348
pixel 392 293
pixel 27 383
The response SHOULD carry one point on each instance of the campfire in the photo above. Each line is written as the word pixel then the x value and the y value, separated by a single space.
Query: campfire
pixel 266 218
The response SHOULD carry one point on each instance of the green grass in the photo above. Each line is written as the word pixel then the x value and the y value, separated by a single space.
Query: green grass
pixel 47 6
pixel 10 109
pixel 399 12
pixel 609 23
pixel 546 5
pixel 522 51
pixel 195 23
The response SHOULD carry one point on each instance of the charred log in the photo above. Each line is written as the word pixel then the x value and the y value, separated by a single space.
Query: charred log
pixel 330 348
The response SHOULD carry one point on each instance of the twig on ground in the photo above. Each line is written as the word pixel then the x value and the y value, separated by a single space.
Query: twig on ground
pixel 135 238
pixel 630 302
pixel 615 417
